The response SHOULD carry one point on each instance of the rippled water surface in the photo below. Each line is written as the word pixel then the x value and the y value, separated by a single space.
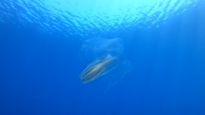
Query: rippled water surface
pixel 82 16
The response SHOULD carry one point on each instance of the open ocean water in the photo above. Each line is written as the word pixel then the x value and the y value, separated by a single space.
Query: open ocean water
pixel 159 50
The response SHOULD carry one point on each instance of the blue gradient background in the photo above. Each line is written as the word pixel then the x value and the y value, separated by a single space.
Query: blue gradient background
pixel 39 57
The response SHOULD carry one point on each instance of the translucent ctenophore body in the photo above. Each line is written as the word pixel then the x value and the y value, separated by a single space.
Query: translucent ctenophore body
pixel 103 56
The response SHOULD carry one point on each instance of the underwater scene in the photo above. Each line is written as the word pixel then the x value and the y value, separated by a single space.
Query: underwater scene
pixel 102 57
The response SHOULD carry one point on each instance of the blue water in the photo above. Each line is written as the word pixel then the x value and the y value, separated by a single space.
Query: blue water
pixel 40 65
